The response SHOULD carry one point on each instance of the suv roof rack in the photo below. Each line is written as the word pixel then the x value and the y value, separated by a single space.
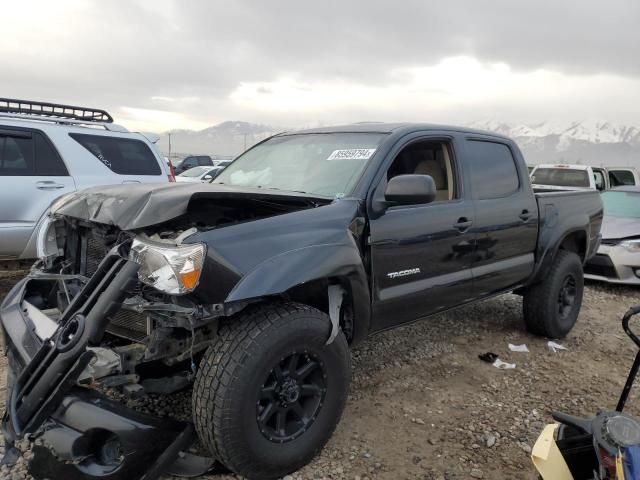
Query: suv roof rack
pixel 53 111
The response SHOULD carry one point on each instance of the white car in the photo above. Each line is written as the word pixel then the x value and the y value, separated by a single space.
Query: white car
pixel 49 150
pixel 618 257
pixel 199 174
pixel 563 177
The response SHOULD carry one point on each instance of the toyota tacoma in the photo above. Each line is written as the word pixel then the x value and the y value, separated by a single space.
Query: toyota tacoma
pixel 252 289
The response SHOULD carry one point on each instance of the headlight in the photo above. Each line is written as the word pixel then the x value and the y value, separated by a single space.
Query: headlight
pixel 46 242
pixel 632 246
pixel 171 269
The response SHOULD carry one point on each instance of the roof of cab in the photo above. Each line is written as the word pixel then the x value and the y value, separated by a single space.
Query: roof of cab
pixel 381 127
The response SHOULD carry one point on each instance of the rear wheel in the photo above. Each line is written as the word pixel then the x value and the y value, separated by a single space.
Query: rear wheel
pixel 551 307
pixel 269 393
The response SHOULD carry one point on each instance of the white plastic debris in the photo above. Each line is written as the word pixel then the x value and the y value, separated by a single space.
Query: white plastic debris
pixel 555 347
pixel 503 365
pixel 518 348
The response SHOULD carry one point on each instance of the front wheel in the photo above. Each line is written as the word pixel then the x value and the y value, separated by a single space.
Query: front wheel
pixel 269 392
pixel 551 307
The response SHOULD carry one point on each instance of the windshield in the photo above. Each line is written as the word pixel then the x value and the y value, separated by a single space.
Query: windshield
pixel 621 204
pixel 560 177
pixel 195 172
pixel 327 164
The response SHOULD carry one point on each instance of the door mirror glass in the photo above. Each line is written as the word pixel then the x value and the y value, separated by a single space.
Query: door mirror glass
pixel 410 189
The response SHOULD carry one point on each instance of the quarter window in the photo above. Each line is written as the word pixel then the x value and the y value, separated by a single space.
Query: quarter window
pixel 493 169
pixel 124 156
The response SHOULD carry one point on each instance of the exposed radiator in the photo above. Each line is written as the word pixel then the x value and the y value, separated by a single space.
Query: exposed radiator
pixel 131 325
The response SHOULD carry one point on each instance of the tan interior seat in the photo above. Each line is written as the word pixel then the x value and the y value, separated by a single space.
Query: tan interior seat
pixel 437 170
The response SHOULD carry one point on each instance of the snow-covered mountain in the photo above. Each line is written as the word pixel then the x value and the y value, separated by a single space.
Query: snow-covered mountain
pixel 226 139
pixel 590 142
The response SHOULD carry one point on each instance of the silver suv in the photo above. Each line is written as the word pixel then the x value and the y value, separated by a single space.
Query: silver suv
pixel 48 150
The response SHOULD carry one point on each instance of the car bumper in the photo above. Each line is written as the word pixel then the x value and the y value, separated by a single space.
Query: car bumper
pixel 86 434
pixel 614 264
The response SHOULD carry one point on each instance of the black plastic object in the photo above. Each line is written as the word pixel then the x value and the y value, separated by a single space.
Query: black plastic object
pixel 54 110
pixel 488 357
pixel 636 363
pixel 57 364
pixel 95 437
pixel 189 465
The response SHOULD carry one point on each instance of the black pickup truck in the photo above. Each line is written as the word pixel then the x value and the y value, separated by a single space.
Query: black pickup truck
pixel 254 287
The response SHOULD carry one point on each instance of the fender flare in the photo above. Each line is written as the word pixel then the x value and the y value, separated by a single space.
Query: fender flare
pixel 280 273
pixel 550 248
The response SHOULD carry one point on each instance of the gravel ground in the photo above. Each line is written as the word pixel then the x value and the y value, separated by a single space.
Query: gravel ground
pixel 423 406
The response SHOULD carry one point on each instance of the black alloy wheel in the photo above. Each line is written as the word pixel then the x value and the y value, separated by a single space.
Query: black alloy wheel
pixel 567 296
pixel 291 397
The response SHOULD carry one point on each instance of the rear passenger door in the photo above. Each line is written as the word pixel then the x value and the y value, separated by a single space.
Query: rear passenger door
pixel 32 175
pixel 506 216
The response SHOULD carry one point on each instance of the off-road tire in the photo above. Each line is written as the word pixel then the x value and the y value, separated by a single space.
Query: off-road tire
pixel 540 303
pixel 232 373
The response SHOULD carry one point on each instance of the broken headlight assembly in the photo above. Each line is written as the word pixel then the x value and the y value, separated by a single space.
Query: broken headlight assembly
pixel 632 246
pixel 173 269
pixel 46 242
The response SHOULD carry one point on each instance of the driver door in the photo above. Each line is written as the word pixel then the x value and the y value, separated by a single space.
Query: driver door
pixel 421 255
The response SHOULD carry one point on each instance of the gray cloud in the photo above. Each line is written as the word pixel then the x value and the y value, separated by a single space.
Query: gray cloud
pixel 123 53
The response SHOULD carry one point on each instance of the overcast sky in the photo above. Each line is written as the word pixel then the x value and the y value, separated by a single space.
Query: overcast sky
pixel 164 64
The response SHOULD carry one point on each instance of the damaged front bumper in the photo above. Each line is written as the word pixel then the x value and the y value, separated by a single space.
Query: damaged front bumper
pixel 86 434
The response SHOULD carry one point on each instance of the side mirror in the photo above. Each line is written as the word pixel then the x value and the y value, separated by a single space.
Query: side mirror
pixel 410 189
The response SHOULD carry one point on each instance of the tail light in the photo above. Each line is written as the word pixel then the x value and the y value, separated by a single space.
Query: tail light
pixel 172 175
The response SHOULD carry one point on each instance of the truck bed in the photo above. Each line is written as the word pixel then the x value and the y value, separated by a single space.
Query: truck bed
pixel 562 212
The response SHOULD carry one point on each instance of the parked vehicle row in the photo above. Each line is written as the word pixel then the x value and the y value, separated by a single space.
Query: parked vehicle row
pixel 260 282
pixel 581 177
pixel 198 161
pixel 48 150
pixel 199 174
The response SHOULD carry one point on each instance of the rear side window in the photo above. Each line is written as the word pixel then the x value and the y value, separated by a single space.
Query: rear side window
pixel 621 177
pixel 124 156
pixel 204 161
pixel 28 153
pixel 493 169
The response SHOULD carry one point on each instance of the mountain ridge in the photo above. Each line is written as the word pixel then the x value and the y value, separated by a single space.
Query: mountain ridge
pixel 590 142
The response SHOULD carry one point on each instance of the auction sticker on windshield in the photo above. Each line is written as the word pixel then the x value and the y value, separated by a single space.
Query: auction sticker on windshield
pixel 352 154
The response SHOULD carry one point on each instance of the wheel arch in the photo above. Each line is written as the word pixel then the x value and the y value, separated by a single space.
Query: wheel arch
pixel 574 240
pixel 305 276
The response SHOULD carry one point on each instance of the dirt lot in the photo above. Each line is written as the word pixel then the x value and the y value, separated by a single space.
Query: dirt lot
pixel 423 406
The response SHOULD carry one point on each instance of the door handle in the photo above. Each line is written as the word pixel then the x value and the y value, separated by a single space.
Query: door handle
pixel 48 185
pixel 525 215
pixel 462 224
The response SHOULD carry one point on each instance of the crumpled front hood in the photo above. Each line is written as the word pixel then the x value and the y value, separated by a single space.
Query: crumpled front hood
pixel 614 228
pixel 133 206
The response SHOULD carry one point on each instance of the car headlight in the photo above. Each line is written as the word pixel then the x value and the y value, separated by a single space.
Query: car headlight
pixel 173 269
pixel 632 246
pixel 46 244
pixel 46 241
